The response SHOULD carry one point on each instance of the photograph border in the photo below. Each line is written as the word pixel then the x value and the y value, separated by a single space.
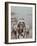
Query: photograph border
pixel 6 21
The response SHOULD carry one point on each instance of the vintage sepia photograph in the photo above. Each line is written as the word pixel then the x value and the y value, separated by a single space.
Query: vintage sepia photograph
pixel 21 22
